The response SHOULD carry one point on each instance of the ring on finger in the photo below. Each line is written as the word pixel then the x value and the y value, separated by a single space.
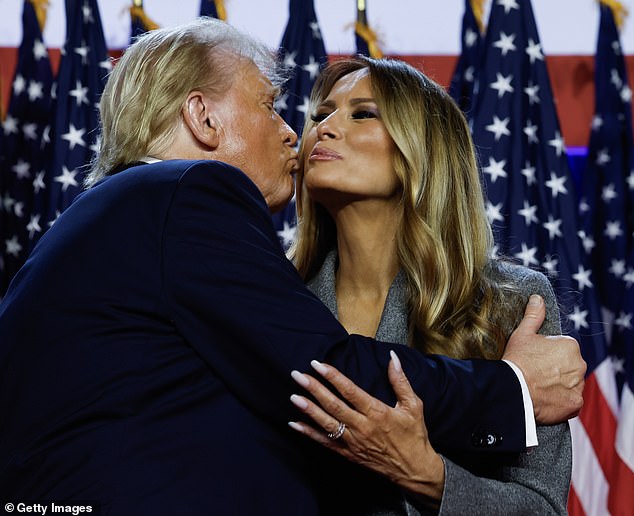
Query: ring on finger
pixel 333 436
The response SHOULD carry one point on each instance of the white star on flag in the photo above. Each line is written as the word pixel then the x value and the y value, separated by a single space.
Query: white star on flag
pixel 613 229
pixel 12 246
pixel 67 178
pixel 579 318
pixel 527 255
pixel 529 213
pixel 74 136
pixel 34 225
pixel 534 51
pixel 505 43
pixel 582 277
pixel 495 169
pixel 312 67
pixel 499 127
pixel 508 5
pixel 586 240
pixel 502 85
pixel 558 143
pixel 617 267
pixel 529 173
pixel 553 227
pixel 22 169
pixel 493 212
pixel 556 184
pixel 532 91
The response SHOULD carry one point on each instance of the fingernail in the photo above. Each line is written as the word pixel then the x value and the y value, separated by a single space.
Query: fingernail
pixel 319 367
pixel 535 300
pixel 396 360
pixel 296 426
pixel 300 378
pixel 299 402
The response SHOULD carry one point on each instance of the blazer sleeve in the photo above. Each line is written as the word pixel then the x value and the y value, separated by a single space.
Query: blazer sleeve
pixel 237 300
pixel 538 483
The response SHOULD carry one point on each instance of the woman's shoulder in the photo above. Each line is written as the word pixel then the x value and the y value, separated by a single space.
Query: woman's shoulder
pixel 522 278
pixel 518 283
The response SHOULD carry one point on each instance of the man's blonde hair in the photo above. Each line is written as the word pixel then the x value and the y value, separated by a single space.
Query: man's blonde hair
pixel 142 100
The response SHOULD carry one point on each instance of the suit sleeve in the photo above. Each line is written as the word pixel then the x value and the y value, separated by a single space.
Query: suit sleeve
pixel 241 305
pixel 538 482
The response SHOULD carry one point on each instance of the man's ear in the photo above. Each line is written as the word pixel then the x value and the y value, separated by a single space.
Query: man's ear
pixel 200 119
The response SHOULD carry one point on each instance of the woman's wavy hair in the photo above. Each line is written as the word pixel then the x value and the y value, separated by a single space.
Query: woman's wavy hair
pixel 445 240
pixel 142 100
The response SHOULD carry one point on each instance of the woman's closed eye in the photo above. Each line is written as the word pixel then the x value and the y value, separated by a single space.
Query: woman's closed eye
pixel 319 117
pixel 364 114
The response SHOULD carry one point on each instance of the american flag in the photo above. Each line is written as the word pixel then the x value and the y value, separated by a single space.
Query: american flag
pixel 303 53
pixel 364 37
pixel 621 492
pixel 21 156
pixel 213 8
pixel 605 210
pixel 82 74
pixel 463 80
pixel 532 203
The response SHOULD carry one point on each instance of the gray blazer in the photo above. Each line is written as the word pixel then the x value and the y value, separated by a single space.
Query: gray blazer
pixel 539 480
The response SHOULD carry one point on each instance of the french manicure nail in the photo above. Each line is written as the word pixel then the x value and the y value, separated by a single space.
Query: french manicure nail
pixel 299 402
pixel 296 426
pixel 300 378
pixel 319 367
pixel 396 360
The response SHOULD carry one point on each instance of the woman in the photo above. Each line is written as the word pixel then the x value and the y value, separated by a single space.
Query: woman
pixel 393 238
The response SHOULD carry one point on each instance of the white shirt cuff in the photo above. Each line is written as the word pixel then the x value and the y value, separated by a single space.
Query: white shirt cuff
pixel 529 415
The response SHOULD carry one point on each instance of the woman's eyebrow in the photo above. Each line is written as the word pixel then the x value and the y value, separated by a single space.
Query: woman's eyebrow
pixel 361 100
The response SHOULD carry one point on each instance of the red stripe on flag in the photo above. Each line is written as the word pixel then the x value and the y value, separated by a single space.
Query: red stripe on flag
pixel 600 425
pixel 574 505
pixel 621 498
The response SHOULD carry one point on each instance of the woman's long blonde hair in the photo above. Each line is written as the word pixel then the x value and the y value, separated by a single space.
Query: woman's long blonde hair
pixel 445 240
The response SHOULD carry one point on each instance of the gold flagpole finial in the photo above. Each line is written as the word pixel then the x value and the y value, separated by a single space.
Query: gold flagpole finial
pixel 220 9
pixel 40 7
pixel 618 10
pixel 477 6
pixel 138 13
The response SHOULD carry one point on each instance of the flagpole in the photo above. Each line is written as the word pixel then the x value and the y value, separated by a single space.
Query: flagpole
pixel 361 14
pixel 619 11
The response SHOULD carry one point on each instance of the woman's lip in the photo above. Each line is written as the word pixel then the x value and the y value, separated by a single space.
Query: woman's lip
pixel 322 154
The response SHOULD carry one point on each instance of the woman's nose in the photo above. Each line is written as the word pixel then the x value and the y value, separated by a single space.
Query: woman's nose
pixel 327 128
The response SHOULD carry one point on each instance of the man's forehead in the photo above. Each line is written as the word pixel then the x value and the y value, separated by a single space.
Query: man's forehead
pixel 258 83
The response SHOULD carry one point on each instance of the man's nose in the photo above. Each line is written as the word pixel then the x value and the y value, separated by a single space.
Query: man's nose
pixel 290 136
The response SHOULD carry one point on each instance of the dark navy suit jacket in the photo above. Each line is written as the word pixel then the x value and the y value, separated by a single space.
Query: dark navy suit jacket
pixel 146 349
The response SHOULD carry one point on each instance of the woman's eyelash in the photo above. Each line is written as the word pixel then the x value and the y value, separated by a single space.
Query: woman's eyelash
pixel 364 114
pixel 318 117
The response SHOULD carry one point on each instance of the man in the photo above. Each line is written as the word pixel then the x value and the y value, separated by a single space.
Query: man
pixel 148 342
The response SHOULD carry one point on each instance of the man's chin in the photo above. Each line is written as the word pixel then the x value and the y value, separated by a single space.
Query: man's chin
pixel 279 203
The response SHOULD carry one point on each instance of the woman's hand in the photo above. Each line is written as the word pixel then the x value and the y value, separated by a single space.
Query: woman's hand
pixel 390 441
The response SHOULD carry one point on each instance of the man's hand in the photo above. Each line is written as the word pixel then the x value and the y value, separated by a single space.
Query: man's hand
pixel 552 366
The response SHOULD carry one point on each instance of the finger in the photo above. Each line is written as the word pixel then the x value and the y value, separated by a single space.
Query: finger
pixel 402 388
pixel 329 403
pixel 329 423
pixel 356 396
pixel 315 435
pixel 534 316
